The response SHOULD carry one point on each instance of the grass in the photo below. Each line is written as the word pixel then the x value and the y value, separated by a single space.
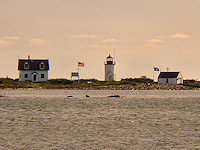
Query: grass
pixel 82 83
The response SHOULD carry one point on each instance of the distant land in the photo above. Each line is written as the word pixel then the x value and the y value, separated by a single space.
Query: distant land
pixel 94 84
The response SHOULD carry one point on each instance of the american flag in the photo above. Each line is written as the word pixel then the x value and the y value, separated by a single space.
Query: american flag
pixel 80 64
pixel 156 69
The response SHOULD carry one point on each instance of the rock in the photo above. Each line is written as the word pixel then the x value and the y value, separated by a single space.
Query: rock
pixel 87 96
pixel 114 96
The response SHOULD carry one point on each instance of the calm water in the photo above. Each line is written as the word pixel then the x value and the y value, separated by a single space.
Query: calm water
pixel 48 119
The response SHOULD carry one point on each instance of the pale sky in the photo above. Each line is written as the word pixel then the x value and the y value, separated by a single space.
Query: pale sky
pixel 144 33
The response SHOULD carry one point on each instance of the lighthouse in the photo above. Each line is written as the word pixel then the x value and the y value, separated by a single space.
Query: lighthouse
pixel 109 69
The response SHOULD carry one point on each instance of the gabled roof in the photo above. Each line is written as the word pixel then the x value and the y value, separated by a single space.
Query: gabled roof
pixel 168 74
pixel 34 64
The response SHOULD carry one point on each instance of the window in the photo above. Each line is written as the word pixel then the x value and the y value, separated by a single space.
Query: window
pixel 25 75
pixel 26 66
pixel 42 65
pixel 42 75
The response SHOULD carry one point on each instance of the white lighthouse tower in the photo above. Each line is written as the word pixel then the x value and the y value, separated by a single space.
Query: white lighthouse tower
pixel 109 69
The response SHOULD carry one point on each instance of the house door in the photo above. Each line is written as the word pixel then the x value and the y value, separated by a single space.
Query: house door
pixel 34 77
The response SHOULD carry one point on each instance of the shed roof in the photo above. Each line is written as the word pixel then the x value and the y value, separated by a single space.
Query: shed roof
pixel 168 74
pixel 34 64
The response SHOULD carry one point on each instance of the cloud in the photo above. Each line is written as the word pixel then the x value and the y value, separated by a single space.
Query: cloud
pixel 112 40
pixel 156 41
pixel 179 36
pixel 83 36
pixel 5 43
pixel 39 42
pixel 11 38
pixel 109 40
pixel 8 40
pixel 148 45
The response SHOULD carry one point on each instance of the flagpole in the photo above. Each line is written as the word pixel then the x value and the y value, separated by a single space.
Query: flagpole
pixel 78 74
pixel 153 74
pixel 80 64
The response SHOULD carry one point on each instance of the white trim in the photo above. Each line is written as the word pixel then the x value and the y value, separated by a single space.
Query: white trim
pixel 26 63
pixel 34 76
pixel 40 65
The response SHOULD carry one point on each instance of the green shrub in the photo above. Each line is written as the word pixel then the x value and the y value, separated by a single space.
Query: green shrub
pixel 58 81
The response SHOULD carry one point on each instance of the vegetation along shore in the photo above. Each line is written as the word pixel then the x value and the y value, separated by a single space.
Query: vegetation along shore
pixel 93 84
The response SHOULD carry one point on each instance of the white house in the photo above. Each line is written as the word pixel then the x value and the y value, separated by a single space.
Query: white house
pixel 34 70
pixel 170 78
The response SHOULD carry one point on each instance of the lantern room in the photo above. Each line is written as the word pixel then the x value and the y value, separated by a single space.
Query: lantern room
pixel 109 60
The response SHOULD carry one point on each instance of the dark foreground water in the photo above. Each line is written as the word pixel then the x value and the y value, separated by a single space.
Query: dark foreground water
pixel 48 119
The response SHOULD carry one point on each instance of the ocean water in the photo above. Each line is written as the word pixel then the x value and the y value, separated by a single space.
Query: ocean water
pixel 49 119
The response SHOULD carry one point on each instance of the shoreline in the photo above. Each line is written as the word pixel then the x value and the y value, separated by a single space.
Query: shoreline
pixel 93 84
pixel 110 87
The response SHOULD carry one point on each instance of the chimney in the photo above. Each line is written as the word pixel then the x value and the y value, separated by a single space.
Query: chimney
pixel 29 57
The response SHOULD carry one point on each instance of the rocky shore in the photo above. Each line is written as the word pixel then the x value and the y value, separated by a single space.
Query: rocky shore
pixel 115 87
pixel 132 87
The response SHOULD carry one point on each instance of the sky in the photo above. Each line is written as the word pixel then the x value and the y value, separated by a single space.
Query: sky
pixel 143 34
